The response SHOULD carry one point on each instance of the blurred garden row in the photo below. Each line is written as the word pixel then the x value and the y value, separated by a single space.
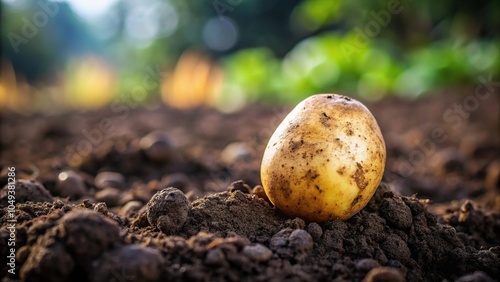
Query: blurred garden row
pixel 228 53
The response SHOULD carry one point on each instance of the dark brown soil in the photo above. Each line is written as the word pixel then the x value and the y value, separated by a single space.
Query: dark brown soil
pixel 85 209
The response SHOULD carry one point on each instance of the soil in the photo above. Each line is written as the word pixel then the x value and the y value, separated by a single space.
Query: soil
pixel 90 191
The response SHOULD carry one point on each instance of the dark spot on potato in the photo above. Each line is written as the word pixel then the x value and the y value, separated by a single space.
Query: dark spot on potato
pixel 359 177
pixel 329 97
pixel 324 119
pixel 350 132
pixel 280 187
pixel 337 139
pixel 356 200
pixel 346 98
pixel 341 170
pixel 311 174
pixel 285 187
pixel 319 189
pixel 294 145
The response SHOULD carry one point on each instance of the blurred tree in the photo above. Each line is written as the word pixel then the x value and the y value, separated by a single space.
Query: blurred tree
pixel 41 36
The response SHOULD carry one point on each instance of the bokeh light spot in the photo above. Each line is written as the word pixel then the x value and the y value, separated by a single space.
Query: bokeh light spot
pixel 220 34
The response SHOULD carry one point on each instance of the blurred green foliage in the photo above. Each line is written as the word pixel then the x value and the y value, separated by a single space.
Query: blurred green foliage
pixel 274 50
pixel 319 65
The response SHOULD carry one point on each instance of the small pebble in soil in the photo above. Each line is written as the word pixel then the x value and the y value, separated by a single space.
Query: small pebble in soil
pixel 129 263
pixel 302 243
pixel 168 210
pixel 295 223
pixel 315 230
pixel 177 180
pixel 111 196
pixel 239 185
pixel 157 146
pixel 70 184
pixel 26 190
pixel 259 191
pixel 477 276
pixel 367 264
pixel 109 179
pixel 257 252
pixel 236 152
pixel 386 274
pixel 215 257
pixel 293 244
pixel 130 208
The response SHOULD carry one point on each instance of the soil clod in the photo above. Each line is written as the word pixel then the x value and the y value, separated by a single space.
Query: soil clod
pixel 168 210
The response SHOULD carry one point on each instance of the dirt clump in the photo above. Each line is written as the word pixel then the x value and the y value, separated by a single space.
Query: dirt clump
pixel 233 212
pixel 168 210
pixel 26 190
pixel 130 263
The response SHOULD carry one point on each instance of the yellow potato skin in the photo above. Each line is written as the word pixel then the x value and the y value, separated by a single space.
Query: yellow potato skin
pixel 325 160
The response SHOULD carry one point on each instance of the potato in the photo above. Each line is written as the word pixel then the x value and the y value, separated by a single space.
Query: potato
pixel 325 160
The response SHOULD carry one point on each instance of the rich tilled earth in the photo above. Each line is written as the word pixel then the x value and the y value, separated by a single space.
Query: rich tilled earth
pixel 85 209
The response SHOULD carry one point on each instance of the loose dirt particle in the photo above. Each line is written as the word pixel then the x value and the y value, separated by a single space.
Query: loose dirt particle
pixel 257 252
pixel 239 186
pixel 101 208
pixel 315 230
